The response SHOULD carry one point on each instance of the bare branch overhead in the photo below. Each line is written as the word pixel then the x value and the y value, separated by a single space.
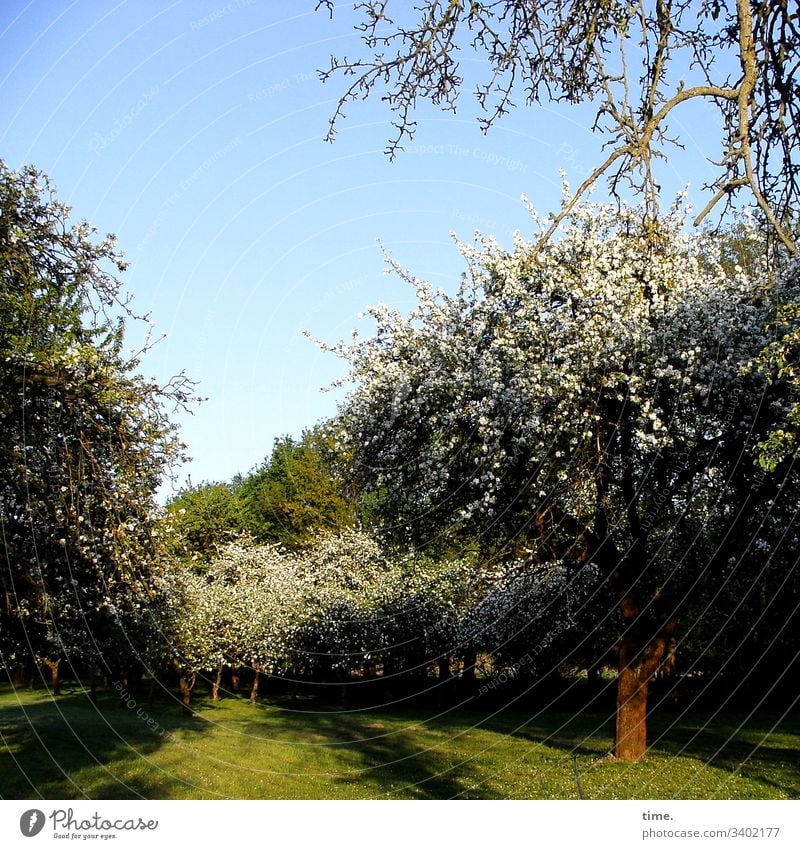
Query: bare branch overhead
pixel 637 61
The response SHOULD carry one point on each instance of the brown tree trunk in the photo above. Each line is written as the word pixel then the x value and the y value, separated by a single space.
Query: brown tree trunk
pixel 187 685
pixel 637 666
pixel 217 683
pixel 55 684
pixel 235 679
pixel 254 690
pixel 18 679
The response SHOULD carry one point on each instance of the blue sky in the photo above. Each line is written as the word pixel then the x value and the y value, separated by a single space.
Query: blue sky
pixel 194 131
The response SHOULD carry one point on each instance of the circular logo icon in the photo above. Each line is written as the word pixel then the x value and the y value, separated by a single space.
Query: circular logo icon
pixel 31 822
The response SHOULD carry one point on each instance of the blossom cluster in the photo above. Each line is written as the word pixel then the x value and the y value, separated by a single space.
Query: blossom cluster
pixel 624 338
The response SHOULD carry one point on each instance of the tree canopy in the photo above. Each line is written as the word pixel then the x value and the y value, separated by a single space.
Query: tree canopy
pixel 641 63
pixel 294 494
pixel 297 492
pixel 86 438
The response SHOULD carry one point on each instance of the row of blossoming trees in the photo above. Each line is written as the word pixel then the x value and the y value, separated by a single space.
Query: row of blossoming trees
pixel 345 610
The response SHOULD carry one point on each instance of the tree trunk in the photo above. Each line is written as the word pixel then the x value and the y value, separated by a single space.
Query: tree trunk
pixel 217 683
pixel 445 677
pixel 121 686
pixel 235 679
pixel 468 673
pixel 18 680
pixel 55 684
pixel 637 666
pixel 254 690
pixel 187 685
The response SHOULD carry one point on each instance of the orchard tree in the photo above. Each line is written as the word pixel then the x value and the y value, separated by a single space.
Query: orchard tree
pixel 340 605
pixel 535 618
pixel 589 400
pixel 642 63
pixel 368 604
pixel 86 440
pixel 192 619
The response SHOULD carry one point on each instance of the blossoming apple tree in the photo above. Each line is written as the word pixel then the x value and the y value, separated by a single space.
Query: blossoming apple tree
pixel 86 441
pixel 322 613
pixel 590 400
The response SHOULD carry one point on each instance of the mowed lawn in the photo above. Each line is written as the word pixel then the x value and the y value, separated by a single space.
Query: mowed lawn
pixel 67 748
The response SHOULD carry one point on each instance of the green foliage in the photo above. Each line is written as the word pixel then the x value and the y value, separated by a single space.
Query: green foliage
pixel 780 361
pixel 86 439
pixel 201 519
pixel 296 493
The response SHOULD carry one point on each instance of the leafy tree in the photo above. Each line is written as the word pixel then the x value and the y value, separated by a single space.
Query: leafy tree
pixel 780 360
pixel 589 400
pixel 86 440
pixel 200 519
pixel 296 493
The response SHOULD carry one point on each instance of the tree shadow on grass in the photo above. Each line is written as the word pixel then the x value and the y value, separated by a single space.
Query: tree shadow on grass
pixel 759 751
pixel 400 755
pixel 567 743
pixel 763 750
pixel 68 747
pixel 464 753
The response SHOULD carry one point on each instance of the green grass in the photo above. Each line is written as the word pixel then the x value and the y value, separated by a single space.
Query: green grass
pixel 68 748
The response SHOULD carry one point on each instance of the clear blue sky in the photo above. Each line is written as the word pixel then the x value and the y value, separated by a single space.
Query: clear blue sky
pixel 194 131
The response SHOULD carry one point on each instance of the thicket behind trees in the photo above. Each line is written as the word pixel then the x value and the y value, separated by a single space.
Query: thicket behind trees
pixel 297 492
pixel 86 441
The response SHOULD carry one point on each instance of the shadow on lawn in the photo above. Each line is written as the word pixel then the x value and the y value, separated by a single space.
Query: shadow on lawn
pixel 764 752
pixel 46 743
pixel 394 756
pixel 69 748
pixel 760 751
